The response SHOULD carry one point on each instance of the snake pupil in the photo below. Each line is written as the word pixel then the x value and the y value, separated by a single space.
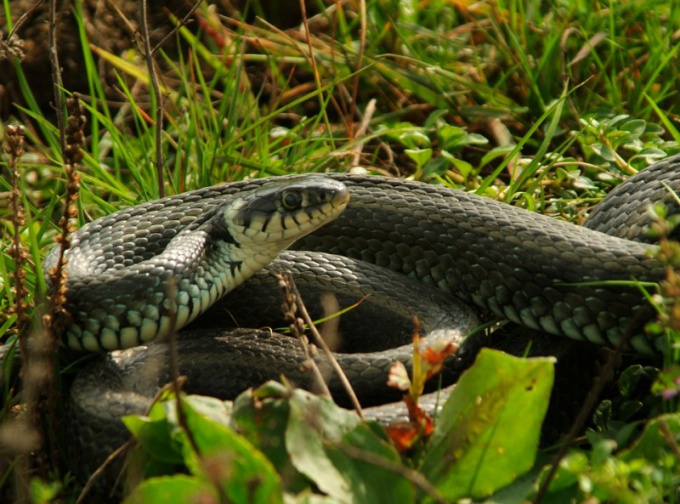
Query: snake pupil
pixel 291 200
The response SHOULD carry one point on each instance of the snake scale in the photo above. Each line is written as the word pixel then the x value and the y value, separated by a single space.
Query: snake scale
pixel 439 250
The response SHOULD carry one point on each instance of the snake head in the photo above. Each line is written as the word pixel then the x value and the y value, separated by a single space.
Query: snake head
pixel 279 213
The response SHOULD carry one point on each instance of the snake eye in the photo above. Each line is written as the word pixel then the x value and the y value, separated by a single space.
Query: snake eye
pixel 291 200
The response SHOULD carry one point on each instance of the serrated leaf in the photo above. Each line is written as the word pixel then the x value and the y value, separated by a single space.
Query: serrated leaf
pixel 489 428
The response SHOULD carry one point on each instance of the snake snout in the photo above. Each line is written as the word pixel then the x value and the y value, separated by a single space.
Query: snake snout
pixel 285 211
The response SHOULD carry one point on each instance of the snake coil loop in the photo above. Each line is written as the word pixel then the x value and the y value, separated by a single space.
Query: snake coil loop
pixel 452 246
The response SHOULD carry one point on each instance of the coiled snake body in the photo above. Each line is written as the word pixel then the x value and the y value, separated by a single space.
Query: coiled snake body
pixel 530 269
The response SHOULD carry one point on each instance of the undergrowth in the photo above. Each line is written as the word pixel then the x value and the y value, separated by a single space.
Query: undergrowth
pixel 545 105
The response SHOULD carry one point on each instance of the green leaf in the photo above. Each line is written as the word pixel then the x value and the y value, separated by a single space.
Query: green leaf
pixel 655 443
pixel 435 167
pixel 636 127
pixel 344 458
pixel 462 166
pixel 245 474
pixel 420 156
pixel 177 489
pixel 263 419
pixel 153 434
pixel 603 151
pixel 489 428
pixel 501 150
pixel 475 139
pixel 44 492
pixel 414 138
pixel 308 497
pixel 450 136
pixel 651 154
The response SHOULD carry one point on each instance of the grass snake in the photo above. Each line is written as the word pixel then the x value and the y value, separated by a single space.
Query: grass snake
pixel 430 250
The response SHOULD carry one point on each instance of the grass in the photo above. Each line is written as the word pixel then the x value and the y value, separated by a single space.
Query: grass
pixel 542 105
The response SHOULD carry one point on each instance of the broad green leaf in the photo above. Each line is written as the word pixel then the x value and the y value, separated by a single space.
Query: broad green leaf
pixel 463 167
pixel 178 489
pixel 44 492
pixel 415 139
pixel 435 167
pixel 651 153
pixel 656 442
pixel 153 435
pixel 451 136
pixel 419 156
pixel 636 127
pixel 344 458
pixel 489 428
pixel 263 421
pixel 309 498
pixel 496 152
pixel 245 474
pixel 603 151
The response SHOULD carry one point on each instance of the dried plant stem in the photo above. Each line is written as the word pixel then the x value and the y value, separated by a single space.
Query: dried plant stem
pixel 413 476
pixel 315 68
pixel 360 57
pixel 46 343
pixel 289 308
pixel 15 149
pixel 181 23
pixel 29 438
pixel 293 295
pixel 176 381
pixel 56 73
pixel 361 132
pixel 156 90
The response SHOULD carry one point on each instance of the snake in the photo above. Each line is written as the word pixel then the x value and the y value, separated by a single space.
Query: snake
pixel 141 273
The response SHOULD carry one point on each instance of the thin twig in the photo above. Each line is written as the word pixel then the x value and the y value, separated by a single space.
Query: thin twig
pixel 315 68
pixel 24 17
pixel 361 132
pixel 42 393
pixel 360 57
pixel 173 363
pixel 15 149
pixel 177 26
pixel 56 73
pixel 100 470
pixel 320 342
pixel 30 435
pixel 411 475
pixel 156 91
pixel 669 436
pixel 289 308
